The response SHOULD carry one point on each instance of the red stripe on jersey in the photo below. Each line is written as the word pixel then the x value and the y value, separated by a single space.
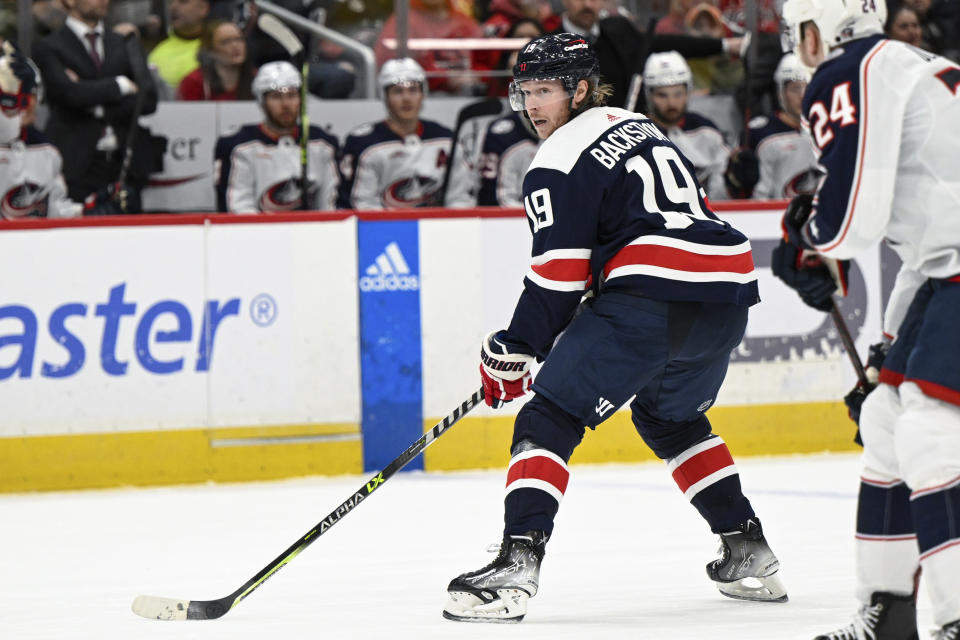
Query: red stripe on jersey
pixel 563 269
pixel 954 279
pixel 892 378
pixel 539 468
pixel 938 391
pixel 680 260
pixel 702 465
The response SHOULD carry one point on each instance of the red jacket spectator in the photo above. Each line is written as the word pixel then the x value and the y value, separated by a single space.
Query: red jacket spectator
pixel 505 13
pixel 437 19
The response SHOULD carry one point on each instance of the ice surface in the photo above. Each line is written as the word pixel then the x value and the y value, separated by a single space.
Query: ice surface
pixel 626 560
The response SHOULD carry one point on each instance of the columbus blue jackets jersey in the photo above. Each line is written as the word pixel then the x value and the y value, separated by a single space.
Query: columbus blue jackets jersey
pixel 381 170
pixel 258 172
pixel 613 205
pixel 788 166
pixel 31 182
pixel 884 117
pixel 507 151
pixel 699 139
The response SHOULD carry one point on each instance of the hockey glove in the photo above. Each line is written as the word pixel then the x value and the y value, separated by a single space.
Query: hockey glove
pixel 113 200
pixel 796 215
pixel 854 399
pixel 504 369
pixel 813 282
pixel 742 174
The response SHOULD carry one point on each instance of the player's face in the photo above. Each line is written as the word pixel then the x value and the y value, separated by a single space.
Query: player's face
pixel 404 101
pixel 88 11
pixel 792 96
pixel 547 103
pixel 282 107
pixel 810 48
pixel 906 27
pixel 669 103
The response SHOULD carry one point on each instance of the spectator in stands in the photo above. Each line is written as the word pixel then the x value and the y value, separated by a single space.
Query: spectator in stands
pixel 776 159
pixel 757 94
pixel 622 49
pixel 717 74
pixel 398 162
pixel 92 77
pixel 438 19
pixel 940 25
pixel 505 14
pixel 667 82
pixel 904 25
pixel 224 73
pixel 31 184
pixel 176 55
pixel 523 28
pixel 258 169
pixel 675 22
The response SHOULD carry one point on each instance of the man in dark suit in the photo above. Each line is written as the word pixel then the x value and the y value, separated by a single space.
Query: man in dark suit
pixel 92 78
pixel 622 49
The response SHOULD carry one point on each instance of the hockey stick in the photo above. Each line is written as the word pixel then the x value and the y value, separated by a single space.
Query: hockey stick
pixel 848 344
pixel 486 107
pixel 135 56
pixel 158 608
pixel 280 32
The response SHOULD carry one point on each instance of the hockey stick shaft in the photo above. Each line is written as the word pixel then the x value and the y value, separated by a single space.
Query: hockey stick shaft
pixel 159 608
pixel 848 344
pixel 135 55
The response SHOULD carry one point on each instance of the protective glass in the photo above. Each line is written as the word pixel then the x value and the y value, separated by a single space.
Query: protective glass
pixel 537 93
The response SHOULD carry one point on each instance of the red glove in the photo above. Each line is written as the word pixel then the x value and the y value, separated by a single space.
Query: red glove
pixel 505 373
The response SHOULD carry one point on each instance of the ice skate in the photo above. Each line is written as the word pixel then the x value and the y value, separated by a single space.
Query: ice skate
pixel 949 632
pixel 747 568
pixel 887 617
pixel 499 591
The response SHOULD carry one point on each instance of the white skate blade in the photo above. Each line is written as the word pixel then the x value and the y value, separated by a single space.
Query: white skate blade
pixel 766 589
pixel 509 607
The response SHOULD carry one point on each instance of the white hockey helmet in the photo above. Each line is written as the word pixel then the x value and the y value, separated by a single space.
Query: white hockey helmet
pixel 401 71
pixel 665 70
pixel 274 76
pixel 838 21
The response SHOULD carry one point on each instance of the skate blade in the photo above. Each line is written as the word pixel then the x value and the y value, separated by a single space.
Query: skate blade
pixel 766 589
pixel 509 607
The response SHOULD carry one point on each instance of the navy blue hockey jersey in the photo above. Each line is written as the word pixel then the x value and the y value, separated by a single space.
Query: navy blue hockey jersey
pixel 612 204
pixel 508 148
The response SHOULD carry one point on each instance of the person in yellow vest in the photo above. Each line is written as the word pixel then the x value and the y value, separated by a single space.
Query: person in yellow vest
pixel 176 55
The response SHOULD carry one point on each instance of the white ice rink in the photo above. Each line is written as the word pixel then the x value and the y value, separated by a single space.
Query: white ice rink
pixel 626 560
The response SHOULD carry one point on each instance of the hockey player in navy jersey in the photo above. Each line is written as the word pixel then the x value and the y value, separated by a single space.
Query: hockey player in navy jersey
pixel 31 182
pixel 258 169
pixel 399 162
pixel 884 117
pixel 667 83
pixel 508 148
pixel 615 211
pixel 777 159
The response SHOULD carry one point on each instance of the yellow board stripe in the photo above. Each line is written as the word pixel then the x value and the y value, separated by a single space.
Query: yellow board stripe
pixel 152 458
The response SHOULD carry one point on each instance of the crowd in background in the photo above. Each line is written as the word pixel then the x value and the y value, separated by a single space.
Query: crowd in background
pixel 145 51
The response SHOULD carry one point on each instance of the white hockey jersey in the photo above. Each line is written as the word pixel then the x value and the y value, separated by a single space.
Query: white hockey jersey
pixel 381 170
pixel 884 117
pixel 258 172
pixel 788 164
pixel 31 180
pixel 702 143
pixel 508 150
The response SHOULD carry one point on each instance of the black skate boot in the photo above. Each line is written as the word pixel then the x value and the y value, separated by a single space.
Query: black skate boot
pixel 887 617
pixel 747 568
pixel 499 591
pixel 949 631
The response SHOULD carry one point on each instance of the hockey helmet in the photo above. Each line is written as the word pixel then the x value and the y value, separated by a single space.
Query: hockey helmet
pixel 789 69
pixel 565 57
pixel 274 76
pixel 402 71
pixel 665 70
pixel 18 79
pixel 838 21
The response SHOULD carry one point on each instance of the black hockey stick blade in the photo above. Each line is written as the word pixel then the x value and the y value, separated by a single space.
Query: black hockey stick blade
pixel 159 608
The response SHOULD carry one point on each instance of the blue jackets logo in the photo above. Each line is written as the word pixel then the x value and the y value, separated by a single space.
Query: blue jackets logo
pixel 389 272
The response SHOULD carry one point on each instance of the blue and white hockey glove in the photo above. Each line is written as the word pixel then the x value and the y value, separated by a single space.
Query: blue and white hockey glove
pixel 504 369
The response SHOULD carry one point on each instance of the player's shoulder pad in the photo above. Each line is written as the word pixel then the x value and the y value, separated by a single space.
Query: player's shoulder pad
pixel 319 133
pixel 246 133
pixel 433 130
pixel 693 120
pixel 759 122
pixel 362 131
pixel 502 126
pixel 564 148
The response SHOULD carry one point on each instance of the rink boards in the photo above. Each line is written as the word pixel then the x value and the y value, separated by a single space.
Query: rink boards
pixel 171 349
